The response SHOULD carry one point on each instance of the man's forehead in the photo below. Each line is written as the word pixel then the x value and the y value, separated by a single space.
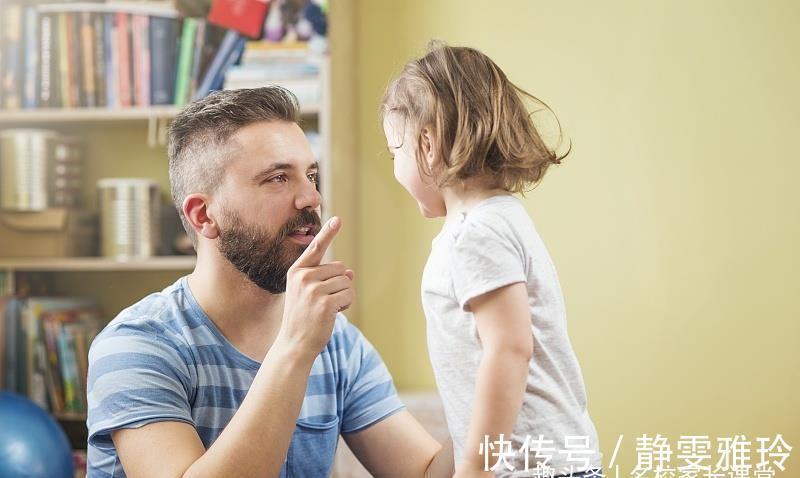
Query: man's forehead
pixel 266 143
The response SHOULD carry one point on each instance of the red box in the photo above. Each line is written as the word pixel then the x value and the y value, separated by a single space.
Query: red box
pixel 245 16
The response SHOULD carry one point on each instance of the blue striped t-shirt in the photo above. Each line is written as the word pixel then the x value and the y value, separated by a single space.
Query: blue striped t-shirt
pixel 163 359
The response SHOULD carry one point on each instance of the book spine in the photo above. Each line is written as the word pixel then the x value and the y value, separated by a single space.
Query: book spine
pixel 13 344
pixel 141 60
pixel 66 358
pixel 197 59
pixel 54 368
pixel 98 48
pixel 163 35
pixel 185 58
pixel 12 44
pixel 124 59
pixel 89 93
pixel 111 59
pixel 30 84
pixel 63 61
pixel 45 58
pixel 221 60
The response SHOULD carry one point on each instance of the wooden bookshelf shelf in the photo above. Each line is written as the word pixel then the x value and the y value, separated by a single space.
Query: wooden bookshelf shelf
pixel 88 115
pixel 59 115
pixel 162 263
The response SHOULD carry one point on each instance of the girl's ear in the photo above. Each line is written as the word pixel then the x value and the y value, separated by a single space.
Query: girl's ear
pixel 428 144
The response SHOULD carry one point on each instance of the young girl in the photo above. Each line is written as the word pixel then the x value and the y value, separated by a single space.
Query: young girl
pixel 463 143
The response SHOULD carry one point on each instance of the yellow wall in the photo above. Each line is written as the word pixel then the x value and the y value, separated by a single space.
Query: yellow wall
pixel 674 224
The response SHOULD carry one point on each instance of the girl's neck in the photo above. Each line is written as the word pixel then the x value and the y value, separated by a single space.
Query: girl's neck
pixel 459 199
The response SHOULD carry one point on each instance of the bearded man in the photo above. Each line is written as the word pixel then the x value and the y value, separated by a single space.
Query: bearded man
pixel 247 367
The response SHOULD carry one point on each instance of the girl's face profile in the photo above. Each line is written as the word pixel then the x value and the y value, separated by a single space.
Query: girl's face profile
pixel 402 148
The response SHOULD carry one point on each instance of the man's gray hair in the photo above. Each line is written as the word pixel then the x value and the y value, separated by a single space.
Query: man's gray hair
pixel 198 137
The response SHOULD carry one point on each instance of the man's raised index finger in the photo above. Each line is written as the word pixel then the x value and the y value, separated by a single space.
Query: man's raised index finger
pixel 315 251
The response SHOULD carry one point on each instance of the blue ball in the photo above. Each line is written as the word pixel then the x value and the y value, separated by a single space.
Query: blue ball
pixel 32 444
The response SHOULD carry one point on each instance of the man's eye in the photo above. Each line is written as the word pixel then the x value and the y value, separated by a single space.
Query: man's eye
pixel 313 177
pixel 281 178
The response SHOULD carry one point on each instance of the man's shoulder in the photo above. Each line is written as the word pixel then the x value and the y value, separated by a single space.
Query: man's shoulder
pixel 158 316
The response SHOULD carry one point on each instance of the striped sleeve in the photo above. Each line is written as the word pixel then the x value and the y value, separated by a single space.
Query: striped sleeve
pixel 136 377
pixel 370 395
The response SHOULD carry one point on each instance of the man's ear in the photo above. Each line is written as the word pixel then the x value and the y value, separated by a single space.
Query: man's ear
pixel 428 144
pixel 195 208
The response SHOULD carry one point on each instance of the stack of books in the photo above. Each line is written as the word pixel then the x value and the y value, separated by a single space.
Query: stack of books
pixel 45 342
pixel 289 65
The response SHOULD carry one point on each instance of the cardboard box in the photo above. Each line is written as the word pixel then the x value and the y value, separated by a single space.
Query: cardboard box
pixel 48 233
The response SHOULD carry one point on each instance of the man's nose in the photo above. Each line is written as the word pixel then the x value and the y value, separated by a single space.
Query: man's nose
pixel 308 196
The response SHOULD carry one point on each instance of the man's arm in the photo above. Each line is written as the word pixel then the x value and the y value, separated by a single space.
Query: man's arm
pixel 254 443
pixel 400 447
pixel 256 440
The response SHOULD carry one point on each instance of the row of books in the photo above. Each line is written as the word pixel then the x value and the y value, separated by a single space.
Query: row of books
pixel 45 346
pixel 74 54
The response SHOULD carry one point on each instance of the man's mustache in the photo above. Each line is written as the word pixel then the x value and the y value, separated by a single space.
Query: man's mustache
pixel 304 218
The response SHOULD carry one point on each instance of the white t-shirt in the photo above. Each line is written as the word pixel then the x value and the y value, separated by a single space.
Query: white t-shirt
pixel 492 245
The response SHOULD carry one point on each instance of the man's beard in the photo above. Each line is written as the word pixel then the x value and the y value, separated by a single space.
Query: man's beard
pixel 263 257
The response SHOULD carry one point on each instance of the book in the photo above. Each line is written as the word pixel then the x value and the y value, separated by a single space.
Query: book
pixel 164 52
pixel 186 57
pixel 123 59
pixel 200 57
pixel 87 56
pixel 11 36
pixel 111 59
pixel 227 54
pixel 31 49
pixel 46 42
pixel 63 61
pixel 140 59
pixel 15 368
pixel 44 349
pixel 99 50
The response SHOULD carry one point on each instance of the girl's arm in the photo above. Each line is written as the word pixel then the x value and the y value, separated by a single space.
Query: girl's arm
pixel 503 321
